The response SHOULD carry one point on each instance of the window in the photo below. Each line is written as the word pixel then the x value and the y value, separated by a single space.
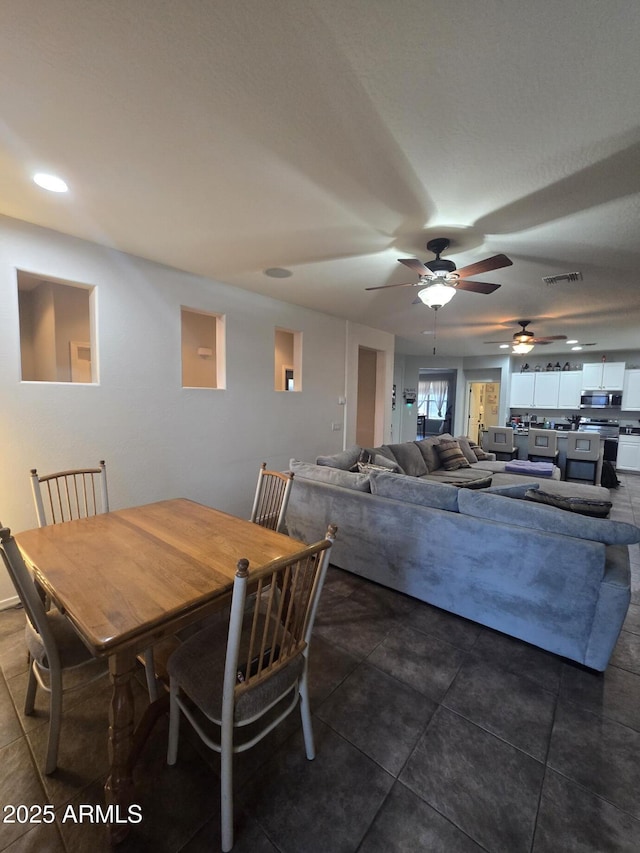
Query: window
pixel 56 330
pixel 203 351
pixel 288 360
pixel 433 397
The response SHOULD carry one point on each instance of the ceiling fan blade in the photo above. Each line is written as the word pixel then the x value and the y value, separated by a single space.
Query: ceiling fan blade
pixel 500 342
pixel 548 339
pixel 404 284
pixel 476 286
pixel 416 265
pixel 497 262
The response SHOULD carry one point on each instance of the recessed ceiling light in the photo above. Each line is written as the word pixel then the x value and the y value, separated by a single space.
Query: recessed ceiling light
pixel 572 342
pixel 278 272
pixel 504 346
pixel 50 182
pixel 576 348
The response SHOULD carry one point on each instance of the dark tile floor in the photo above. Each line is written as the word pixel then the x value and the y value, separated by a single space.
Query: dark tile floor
pixel 432 734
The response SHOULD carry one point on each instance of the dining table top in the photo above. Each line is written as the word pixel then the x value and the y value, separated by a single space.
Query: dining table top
pixel 121 575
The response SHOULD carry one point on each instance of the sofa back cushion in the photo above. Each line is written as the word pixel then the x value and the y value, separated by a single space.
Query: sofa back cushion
pixel 427 448
pixel 414 491
pixel 451 456
pixel 465 447
pixel 332 476
pixel 409 458
pixel 547 519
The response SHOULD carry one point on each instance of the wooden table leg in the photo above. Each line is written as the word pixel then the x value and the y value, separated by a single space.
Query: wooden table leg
pixel 119 785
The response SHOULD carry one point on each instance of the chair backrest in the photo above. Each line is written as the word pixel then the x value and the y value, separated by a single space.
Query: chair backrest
pixel 279 620
pixel 67 495
pixel 543 442
pixel 583 445
pixel 271 498
pixel 28 594
pixel 498 439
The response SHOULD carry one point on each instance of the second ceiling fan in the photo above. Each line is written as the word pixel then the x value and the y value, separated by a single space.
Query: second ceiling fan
pixel 440 279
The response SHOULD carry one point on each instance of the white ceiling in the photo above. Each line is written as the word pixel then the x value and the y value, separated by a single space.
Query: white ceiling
pixel 331 137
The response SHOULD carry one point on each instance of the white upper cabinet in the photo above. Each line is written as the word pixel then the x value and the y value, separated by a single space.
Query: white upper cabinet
pixel 521 390
pixel 570 389
pixel 603 376
pixel 545 390
pixel 631 391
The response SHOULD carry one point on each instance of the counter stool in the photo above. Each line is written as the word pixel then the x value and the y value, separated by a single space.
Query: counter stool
pixel 585 447
pixel 542 445
pixel 499 440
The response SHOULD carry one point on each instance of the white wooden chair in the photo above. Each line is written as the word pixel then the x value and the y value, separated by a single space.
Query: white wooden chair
pixel 79 493
pixel 235 673
pixel 54 646
pixel 271 498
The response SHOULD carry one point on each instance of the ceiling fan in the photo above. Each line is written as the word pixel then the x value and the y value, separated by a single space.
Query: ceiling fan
pixel 524 340
pixel 440 279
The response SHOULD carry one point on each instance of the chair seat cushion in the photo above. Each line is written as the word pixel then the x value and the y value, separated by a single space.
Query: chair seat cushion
pixel 198 667
pixel 71 649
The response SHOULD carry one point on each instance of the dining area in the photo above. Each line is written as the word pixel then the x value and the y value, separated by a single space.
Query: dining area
pixel 129 594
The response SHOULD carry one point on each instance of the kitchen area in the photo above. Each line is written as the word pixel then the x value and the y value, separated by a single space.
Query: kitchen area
pixel 602 397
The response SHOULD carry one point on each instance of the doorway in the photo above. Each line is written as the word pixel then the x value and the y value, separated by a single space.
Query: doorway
pixel 370 404
pixel 482 408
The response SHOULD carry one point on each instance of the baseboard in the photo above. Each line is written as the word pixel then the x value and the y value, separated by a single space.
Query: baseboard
pixel 6 603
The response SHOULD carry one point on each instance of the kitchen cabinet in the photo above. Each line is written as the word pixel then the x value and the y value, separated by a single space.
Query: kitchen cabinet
pixel 631 391
pixel 545 390
pixel 522 390
pixel 628 458
pixel 603 376
pixel 570 389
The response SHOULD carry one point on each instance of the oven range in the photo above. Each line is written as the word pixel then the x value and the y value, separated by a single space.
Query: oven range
pixel 610 432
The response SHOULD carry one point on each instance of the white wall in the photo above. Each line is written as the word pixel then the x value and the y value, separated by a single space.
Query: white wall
pixel 161 440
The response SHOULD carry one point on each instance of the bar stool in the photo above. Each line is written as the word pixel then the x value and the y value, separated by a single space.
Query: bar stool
pixel 542 445
pixel 587 448
pixel 499 440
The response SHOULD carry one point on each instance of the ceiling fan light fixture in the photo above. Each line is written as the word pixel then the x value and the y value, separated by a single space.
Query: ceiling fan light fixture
pixel 436 295
pixel 522 348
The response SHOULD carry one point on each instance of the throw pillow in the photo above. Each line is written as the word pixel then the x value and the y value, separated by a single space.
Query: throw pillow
pixel 478 452
pixel 450 455
pixel 583 506
pixel 344 460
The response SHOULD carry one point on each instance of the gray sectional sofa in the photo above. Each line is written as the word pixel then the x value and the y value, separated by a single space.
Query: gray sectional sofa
pixel 557 579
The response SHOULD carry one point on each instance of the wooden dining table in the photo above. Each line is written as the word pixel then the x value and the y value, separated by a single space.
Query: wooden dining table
pixel 128 579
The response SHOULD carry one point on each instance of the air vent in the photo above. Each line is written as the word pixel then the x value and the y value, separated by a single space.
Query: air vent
pixel 567 276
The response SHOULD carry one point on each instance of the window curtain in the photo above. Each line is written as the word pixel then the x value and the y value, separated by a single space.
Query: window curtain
pixel 432 397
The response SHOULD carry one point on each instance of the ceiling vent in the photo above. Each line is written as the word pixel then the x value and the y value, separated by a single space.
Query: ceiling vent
pixel 567 276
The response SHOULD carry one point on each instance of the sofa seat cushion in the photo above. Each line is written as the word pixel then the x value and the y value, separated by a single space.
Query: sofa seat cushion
pixel 409 458
pixel 333 476
pixel 451 456
pixel 545 518
pixel 415 490
pixel 462 475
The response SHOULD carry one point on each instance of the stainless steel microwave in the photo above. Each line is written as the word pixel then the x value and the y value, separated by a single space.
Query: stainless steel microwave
pixel 601 400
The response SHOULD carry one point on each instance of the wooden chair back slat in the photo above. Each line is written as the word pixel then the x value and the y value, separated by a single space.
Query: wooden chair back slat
pixel 271 498
pixel 67 495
